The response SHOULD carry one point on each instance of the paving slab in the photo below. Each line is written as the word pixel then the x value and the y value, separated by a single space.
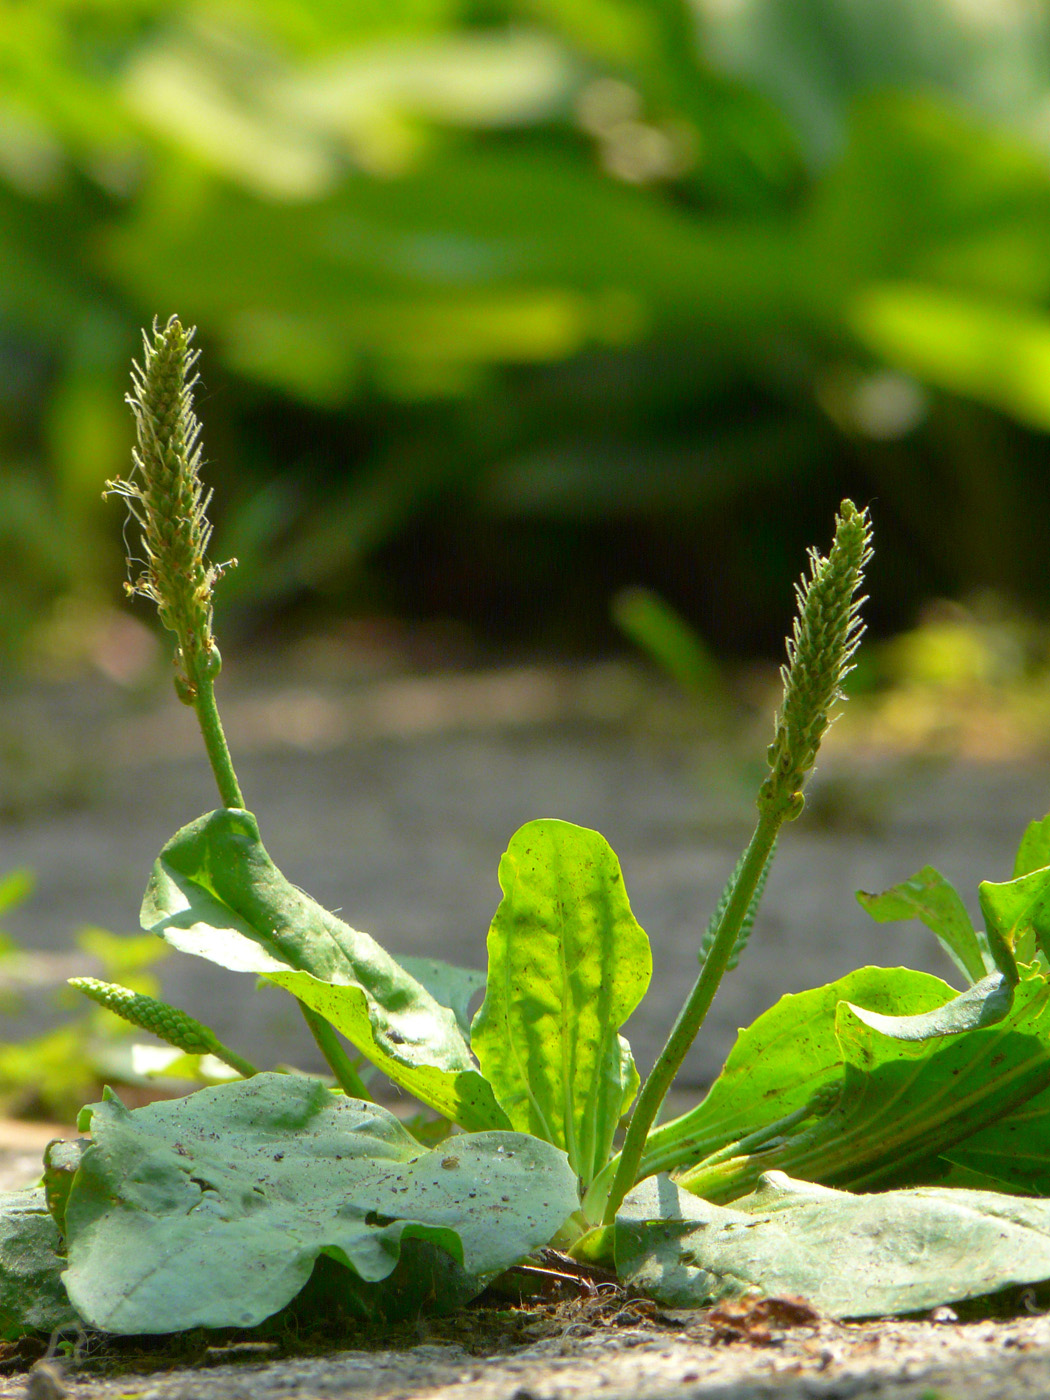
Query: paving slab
pixel 890 1360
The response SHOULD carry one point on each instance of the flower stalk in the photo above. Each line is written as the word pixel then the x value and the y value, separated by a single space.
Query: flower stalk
pixel 167 499
pixel 824 638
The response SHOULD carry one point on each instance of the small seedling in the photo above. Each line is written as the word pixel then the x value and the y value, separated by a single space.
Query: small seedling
pixel 219 1209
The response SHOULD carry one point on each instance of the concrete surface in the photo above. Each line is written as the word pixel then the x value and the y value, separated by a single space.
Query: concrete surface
pixel 392 803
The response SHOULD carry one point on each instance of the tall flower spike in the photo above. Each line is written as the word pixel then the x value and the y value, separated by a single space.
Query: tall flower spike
pixel 826 633
pixel 166 497
pixel 825 636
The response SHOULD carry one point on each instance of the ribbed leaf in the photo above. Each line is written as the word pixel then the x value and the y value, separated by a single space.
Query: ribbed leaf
pixel 568 963
pixel 851 1256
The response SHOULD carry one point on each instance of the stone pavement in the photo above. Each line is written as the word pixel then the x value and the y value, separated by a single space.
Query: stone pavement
pixel 392 803
pixel 825 1361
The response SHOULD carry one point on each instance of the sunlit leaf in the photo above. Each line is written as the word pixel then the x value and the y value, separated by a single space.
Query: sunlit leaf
pixel 1034 851
pixel 902 1103
pixel 1017 917
pixel 568 963
pixel 215 892
pixel 783 1059
pixel 460 1094
pixel 928 896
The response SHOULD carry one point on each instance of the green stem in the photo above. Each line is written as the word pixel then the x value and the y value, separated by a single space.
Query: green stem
pixel 235 1061
pixel 342 1067
pixel 691 1017
pixel 215 739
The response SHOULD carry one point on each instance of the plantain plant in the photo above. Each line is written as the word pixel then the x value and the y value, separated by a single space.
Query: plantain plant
pixel 857 1130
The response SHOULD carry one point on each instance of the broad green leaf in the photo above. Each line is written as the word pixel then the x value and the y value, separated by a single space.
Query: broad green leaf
pixel 215 892
pixel 210 1211
pixel 1034 851
pixel 462 1095
pixel 784 1058
pixel 903 1103
pixel 32 1298
pixel 568 963
pixel 851 1256
pixel 1017 918
pixel 928 896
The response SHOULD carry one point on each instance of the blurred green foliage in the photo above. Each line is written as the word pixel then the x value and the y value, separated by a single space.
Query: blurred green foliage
pixel 505 303
pixel 48 1074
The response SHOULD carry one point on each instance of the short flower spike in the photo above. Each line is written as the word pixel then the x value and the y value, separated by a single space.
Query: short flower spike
pixel 825 636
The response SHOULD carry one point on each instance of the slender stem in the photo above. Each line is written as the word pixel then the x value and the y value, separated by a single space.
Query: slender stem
pixel 342 1067
pixel 692 1014
pixel 215 739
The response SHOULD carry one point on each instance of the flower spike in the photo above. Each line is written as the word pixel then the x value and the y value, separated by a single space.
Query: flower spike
pixel 825 636
pixel 166 497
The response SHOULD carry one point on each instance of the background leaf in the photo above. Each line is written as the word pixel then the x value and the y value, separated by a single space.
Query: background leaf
pixel 210 1211
pixel 568 963
pixel 928 896
pixel 851 1256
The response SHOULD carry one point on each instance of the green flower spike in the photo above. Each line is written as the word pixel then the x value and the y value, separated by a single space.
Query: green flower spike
pixel 167 499
pixel 825 636
pixel 166 1022
pixel 169 502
